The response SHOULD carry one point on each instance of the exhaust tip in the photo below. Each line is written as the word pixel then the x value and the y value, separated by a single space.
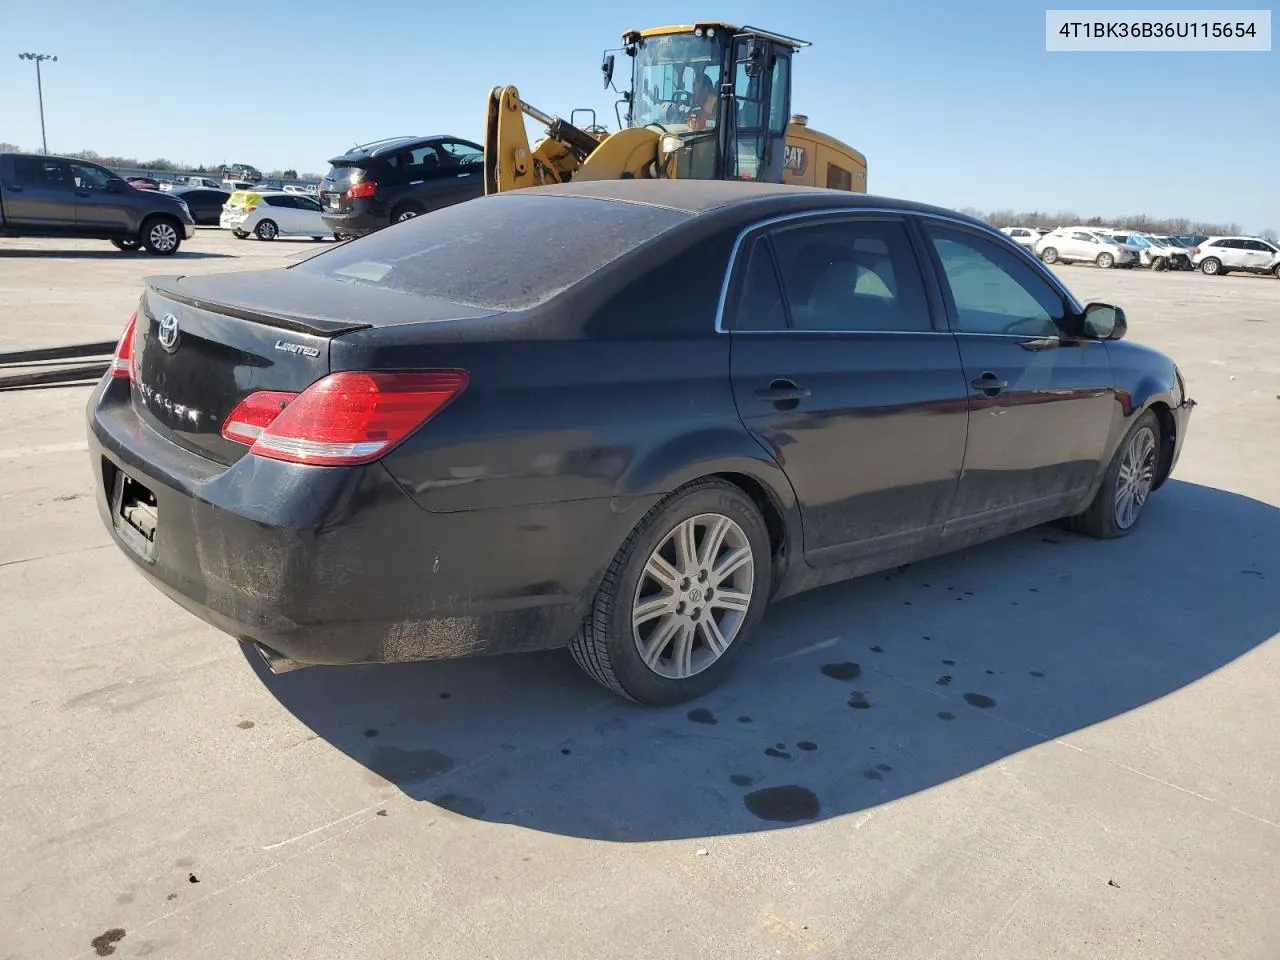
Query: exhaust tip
pixel 277 663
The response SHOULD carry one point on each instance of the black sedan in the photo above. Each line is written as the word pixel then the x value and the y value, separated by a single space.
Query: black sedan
pixel 205 203
pixel 616 416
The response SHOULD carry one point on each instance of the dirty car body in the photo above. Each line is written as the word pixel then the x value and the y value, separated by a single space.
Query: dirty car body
pixel 553 365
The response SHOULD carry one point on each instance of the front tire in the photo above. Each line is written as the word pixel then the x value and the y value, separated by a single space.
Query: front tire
pixel 1117 506
pixel 161 236
pixel 1159 263
pixel 266 230
pixel 680 598
pixel 1106 261
pixel 1049 255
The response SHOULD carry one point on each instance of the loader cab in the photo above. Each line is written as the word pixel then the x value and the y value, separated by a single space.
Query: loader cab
pixel 719 95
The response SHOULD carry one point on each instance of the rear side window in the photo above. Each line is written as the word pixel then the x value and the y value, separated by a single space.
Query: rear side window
pixel 760 304
pixel 853 275
pixel 506 252
pixel 34 172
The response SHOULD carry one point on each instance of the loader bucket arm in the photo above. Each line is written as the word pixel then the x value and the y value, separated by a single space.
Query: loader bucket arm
pixel 510 163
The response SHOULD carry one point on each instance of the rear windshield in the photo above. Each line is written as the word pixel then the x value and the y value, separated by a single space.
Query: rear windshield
pixel 341 174
pixel 508 252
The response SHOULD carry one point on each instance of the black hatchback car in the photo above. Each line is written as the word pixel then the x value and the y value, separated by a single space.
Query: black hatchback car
pixel 459 438
pixel 377 184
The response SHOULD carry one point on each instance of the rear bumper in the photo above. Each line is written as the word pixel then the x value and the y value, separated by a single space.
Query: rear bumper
pixel 336 566
pixel 357 223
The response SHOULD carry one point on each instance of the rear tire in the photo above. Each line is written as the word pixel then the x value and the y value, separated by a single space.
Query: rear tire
pixel 161 236
pixel 406 212
pixel 266 230
pixel 694 625
pixel 1211 266
pixel 1117 506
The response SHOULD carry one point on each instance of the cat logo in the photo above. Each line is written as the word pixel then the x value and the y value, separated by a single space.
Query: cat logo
pixel 795 159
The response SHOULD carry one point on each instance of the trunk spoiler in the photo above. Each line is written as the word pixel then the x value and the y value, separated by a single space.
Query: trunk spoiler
pixel 318 326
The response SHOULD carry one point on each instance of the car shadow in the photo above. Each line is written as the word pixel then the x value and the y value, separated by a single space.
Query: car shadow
pixel 110 253
pixel 851 696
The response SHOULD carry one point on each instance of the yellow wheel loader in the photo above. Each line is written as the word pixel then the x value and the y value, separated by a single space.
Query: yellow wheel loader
pixel 708 101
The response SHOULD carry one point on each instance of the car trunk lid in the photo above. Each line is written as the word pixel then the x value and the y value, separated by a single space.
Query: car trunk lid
pixel 203 344
pixel 336 187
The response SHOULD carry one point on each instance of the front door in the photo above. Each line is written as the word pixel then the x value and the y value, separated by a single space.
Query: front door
pixel 452 171
pixel 839 371
pixel 38 193
pixel 98 210
pixel 1042 402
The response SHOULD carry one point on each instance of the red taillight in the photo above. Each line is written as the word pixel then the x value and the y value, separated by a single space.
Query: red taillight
pixel 254 414
pixel 342 419
pixel 122 360
pixel 1195 252
pixel 359 191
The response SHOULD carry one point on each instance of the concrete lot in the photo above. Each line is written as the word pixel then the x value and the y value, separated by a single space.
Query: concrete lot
pixel 164 796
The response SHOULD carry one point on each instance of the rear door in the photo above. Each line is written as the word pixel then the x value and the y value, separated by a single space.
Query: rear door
pixel 38 192
pixel 839 369
pixel 1042 403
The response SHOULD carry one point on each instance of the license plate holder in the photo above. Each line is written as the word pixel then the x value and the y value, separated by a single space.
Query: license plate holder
pixel 135 515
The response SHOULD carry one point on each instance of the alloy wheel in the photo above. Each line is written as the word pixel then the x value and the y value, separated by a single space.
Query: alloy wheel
pixel 693 596
pixel 163 237
pixel 1137 472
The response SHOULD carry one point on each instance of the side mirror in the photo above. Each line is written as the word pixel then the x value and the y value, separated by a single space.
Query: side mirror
pixel 607 69
pixel 757 53
pixel 1102 321
pixel 114 186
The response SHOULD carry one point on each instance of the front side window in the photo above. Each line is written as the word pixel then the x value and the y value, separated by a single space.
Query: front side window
pixel 89 178
pixel 851 275
pixel 993 291
pixel 454 153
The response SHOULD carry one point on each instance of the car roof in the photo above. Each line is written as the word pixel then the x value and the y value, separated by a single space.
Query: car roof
pixel 379 148
pixel 704 196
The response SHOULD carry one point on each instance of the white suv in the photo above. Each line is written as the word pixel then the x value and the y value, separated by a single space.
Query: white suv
pixel 1084 245
pixel 1023 236
pixel 1218 255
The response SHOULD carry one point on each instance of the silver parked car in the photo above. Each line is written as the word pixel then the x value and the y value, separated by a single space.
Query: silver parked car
pixel 1084 245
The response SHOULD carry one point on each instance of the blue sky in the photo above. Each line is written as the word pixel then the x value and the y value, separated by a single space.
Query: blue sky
pixel 955 103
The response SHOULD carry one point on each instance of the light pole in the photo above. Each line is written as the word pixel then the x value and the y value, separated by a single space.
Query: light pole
pixel 38 57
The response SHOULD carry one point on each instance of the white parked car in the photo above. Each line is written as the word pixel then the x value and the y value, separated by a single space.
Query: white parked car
pixel 1084 245
pixel 268 214
pixel 1023 236
pixel 1218 255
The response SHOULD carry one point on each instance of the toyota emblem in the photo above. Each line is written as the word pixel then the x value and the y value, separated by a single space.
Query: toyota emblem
pixel 169 332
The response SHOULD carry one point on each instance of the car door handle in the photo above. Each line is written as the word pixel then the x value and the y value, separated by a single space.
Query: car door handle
pixel 782 391
pixel 464 174
pixel 989 383
pixel 15 188
pixel 1041 343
